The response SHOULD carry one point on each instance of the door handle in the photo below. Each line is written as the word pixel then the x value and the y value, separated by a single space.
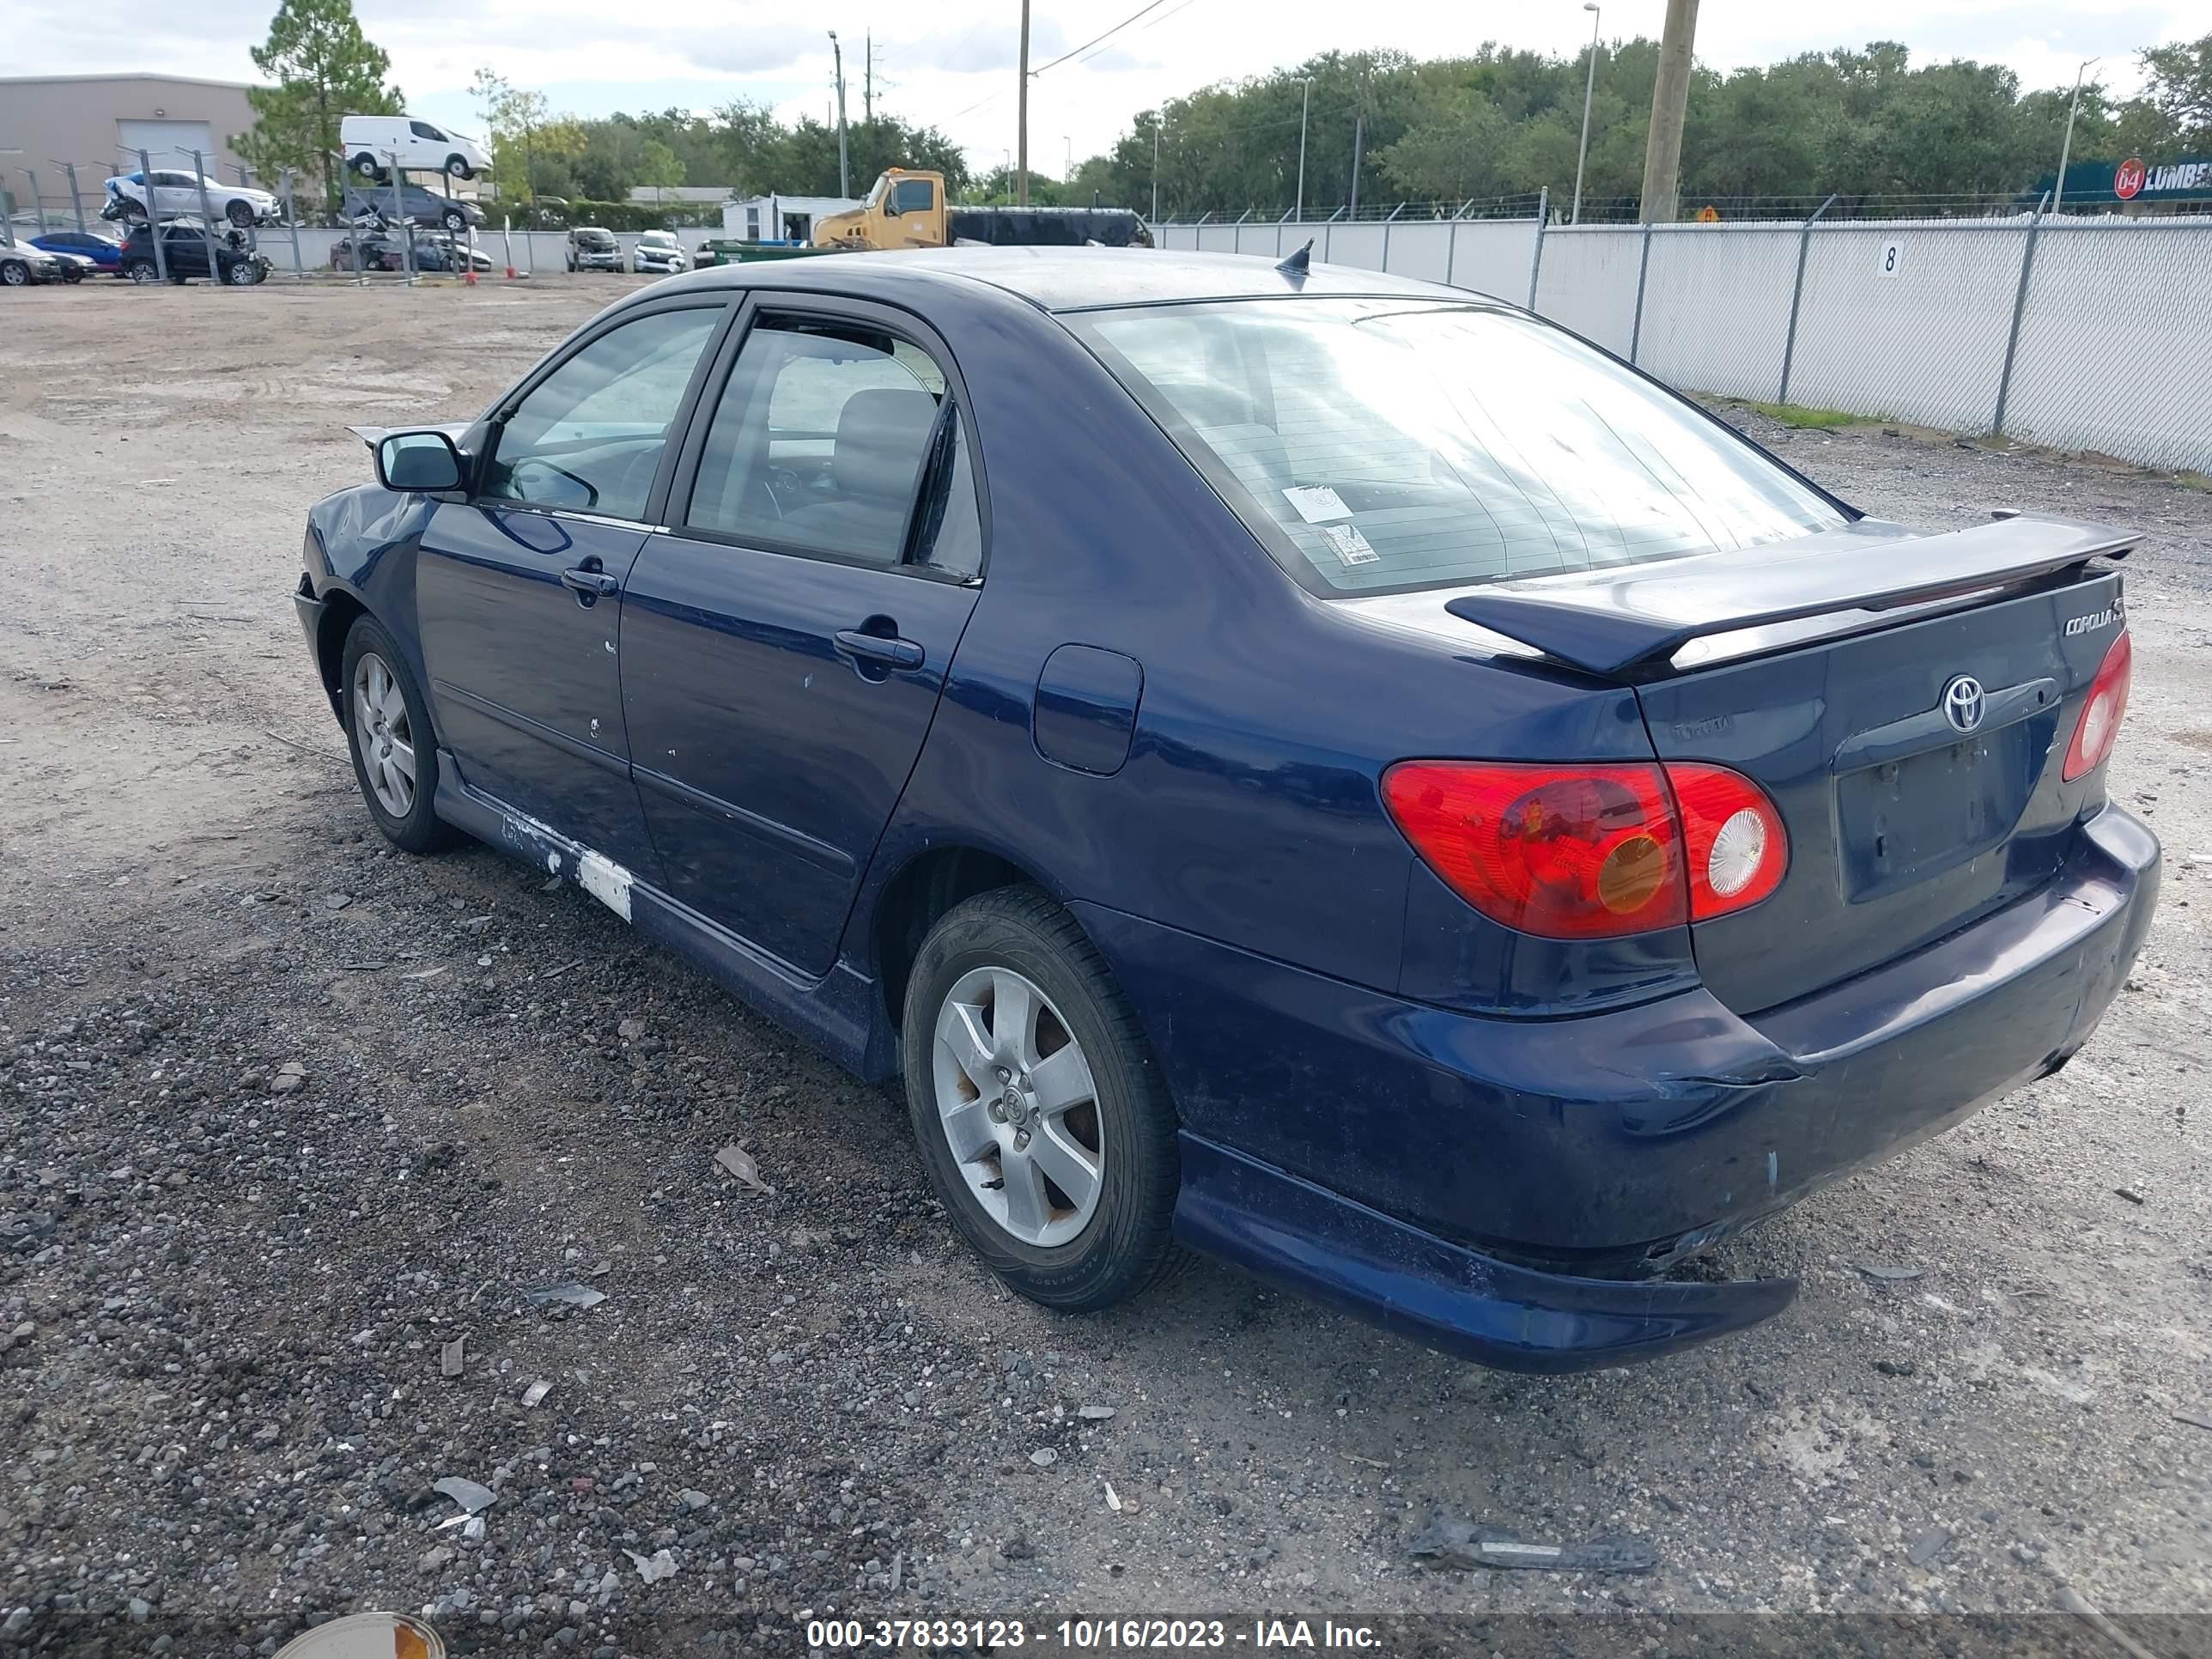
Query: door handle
pixel 892 653
pixel 590 582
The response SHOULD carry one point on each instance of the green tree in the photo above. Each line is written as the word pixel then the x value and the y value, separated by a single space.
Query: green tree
pixel 2178 88
pixel 323 68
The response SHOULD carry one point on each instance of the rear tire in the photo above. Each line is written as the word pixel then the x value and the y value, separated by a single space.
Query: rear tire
pixel 240 214
pixel 389 735
pixel 142 270
pixel 1087 1223
pixel 365 166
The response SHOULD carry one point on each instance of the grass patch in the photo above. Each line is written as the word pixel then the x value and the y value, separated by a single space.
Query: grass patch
pixel 1799 415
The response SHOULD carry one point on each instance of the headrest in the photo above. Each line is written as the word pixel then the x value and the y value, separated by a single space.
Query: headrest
pixel 881 434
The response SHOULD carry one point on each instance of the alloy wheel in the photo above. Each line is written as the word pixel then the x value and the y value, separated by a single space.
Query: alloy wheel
pixel 383 735
pixel 1019 1107
pixel 13 274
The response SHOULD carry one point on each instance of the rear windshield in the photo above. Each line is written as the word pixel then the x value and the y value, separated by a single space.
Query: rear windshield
pixel 1379 445
pixel 595 239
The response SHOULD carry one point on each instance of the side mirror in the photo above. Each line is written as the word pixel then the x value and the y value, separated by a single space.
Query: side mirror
pixel 426 462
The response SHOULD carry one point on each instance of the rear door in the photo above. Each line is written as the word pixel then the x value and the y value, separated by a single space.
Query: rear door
pixel 786 639
pixel 519 590
pixel 1903 828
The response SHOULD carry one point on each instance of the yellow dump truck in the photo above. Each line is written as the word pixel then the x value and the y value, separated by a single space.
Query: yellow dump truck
pixel 907 209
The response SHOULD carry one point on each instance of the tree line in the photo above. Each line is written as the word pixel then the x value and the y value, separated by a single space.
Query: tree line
pixel 1864 123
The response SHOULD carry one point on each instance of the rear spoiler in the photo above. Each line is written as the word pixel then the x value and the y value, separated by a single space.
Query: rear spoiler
pixel 1625 623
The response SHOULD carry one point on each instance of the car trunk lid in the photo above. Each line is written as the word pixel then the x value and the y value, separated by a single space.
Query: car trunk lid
pixel 1838 672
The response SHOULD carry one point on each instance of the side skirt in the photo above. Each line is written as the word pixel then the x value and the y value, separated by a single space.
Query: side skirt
pixel 837 1013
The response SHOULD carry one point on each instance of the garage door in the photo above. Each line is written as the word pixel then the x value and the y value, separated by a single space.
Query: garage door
pixel 168 143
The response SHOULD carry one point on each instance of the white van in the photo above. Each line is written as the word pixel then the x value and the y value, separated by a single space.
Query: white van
pixel 372 141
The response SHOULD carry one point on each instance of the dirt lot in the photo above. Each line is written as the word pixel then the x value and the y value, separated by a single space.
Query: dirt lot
pixel 227 1285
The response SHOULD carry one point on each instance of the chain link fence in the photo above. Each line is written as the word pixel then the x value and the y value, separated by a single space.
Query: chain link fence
pixel 2080 333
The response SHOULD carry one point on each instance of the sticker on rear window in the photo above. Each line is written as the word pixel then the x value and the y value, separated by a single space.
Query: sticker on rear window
pixel 1351 546
pixel 1317 503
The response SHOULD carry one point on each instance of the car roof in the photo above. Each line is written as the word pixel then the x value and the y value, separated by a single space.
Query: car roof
pixel 1061 279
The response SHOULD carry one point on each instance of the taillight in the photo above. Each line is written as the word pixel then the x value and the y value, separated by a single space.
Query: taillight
pixel 1736 849
pixel 1590 852
pixel 2095 732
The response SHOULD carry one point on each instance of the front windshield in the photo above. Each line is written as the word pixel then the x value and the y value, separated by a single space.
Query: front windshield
pixel 1388 444
pixel 876 195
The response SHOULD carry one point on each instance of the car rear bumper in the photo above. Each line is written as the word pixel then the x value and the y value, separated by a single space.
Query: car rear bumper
pixel 1505 1189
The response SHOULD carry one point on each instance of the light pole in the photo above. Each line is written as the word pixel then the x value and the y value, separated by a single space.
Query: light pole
pixel 844 168
pixel 2066 148
pixel 1305 108
pixel 1589 86
pixel 1155 169
pixel 1068 172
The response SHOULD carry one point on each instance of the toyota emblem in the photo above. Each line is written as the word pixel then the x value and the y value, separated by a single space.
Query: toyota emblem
pixel 1965 704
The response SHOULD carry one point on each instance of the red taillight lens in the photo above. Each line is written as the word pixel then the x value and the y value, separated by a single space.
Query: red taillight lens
pixel 1581 852
pixel 2098 727
pixel 1590 852
pixel 1736 849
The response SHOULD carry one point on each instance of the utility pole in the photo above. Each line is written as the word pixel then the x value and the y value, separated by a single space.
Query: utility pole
pixel 868 80
pixel 1155 169
pixel 1069 173
pixel 1022 118
pixel 2065 149
pixel 844 161
pixel 1589 88
pixel 1670 100
pixel 1358 143
pixel 1305 108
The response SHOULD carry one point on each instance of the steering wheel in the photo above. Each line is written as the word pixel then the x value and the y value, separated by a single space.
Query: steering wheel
pixel 591 490
pixel 782 483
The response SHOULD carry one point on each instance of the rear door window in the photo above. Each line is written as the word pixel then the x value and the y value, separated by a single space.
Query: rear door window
pixel 820 441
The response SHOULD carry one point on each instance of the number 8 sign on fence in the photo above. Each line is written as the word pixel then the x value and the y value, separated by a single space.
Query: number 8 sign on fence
pixel 1892 256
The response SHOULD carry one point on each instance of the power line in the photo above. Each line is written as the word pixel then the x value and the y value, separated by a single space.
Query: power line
pixel 1095 39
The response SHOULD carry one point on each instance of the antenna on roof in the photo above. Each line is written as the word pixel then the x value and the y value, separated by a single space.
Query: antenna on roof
pixel 1295 266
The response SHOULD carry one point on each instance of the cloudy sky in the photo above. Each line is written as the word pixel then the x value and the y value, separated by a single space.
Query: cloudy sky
pixel 950 62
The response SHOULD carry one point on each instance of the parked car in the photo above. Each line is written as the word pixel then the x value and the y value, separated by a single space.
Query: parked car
pixel 22 264
pixel 372 141
pixel 1465 832
pixel 185 255
pixel 75 267
pixel 591 248
pixel 103 251
pixel 659 253
pixel 182 192
pixel 422 207
pixel 433 251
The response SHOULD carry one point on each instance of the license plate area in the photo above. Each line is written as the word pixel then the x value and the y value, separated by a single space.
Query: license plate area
pixel 1906 820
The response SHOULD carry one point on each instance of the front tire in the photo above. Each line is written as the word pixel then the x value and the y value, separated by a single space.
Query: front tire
pixel 388 732
pixel 1043 1118
pixel 15 273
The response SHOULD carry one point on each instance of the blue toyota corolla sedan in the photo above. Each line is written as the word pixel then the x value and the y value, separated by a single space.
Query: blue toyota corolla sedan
pixel 1326 770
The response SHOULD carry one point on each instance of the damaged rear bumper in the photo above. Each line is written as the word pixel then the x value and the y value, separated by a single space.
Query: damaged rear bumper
pixel 1507 1189
pixel 1442 1294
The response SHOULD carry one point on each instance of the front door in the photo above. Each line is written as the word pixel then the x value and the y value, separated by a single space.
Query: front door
pixel 785 645
pixel 519 590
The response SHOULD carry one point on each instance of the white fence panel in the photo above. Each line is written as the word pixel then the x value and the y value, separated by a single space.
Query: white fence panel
pixel 1588 283
pixel 1491 256
pixel 1907 319
pixel 1349 244
pixel 1184 237
pixel 1716 306
pixel 2115 351
pixel 1217 239
pixel 1257 239
pixel 1421 249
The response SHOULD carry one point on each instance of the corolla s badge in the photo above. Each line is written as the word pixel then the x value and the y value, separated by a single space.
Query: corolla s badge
pixel 1965 704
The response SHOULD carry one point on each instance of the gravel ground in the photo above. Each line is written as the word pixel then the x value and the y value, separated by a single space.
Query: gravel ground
pixel 293 1127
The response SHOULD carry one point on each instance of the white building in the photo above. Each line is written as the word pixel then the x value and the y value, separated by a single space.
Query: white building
pixel 781 218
